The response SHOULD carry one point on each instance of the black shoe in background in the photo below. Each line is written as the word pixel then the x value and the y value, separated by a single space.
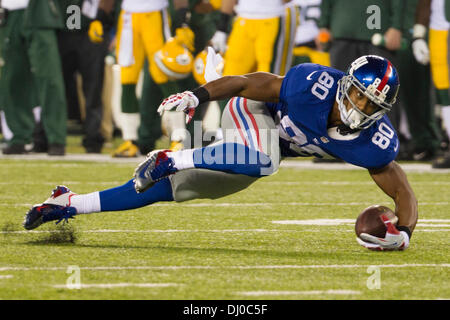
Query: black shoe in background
pixel 92 149
pixel 40 148
pixel 423 155
pixel 56 149
pixel 442 162
pixel 326 160
pixel 15 149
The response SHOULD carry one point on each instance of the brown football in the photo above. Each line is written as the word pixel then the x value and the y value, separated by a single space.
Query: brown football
pixel 369 221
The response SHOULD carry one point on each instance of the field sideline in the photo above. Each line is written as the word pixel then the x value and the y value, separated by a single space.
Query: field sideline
pixel 289 236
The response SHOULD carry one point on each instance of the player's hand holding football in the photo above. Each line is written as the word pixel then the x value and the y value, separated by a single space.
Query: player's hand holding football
pixel 186 102
pixel 394 239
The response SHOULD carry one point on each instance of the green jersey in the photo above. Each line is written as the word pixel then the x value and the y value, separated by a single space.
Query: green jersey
pixel 359 20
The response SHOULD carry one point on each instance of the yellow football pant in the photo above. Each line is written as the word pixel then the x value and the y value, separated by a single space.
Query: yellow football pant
pixel 322 58
pixel 439 58
pixel 260 45
pixel 139 35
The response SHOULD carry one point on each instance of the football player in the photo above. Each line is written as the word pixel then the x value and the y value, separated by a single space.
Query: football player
pixel 313 110
pixel 435 14
pixel 143 29
pixel 261 38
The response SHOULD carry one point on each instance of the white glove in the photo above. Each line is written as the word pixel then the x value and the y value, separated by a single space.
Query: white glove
pixel 186 102
pixel 219 41
pixel 213 62
pixel 421 51
pixel 394 239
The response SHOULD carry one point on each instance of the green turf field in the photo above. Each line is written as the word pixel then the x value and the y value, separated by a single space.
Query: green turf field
pixel 224 249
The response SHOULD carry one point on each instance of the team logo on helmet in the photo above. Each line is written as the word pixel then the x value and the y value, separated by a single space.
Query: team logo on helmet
pixel 172 62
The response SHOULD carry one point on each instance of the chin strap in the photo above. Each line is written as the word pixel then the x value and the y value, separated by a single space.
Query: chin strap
pixel 344 130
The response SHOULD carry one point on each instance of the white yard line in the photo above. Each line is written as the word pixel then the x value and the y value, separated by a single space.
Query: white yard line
pixel 315 223
pixel 338 222
pixel 284 183
pixel 261 267
pixel 6 276
pixel 147 231
pixel 118 285
pixel 107 159
pixel 253 204
pixel 290 293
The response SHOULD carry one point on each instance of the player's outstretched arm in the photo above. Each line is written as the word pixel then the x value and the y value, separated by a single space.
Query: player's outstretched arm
pixel 260 86
pixel 392 180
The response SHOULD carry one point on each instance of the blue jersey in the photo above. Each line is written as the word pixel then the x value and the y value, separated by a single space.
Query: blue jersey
pixel 307 96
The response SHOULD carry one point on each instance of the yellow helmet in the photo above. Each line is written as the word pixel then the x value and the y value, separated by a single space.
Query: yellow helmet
pixel 198 68
pixel 172 62
pixel 216 4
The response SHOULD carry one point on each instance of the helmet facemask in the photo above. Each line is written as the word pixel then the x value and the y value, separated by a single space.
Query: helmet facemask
pixel 355 118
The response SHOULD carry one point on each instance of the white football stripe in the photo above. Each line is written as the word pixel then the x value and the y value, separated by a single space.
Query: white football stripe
pixel 287 222
pixel 249 204
pixel 337 222
pixel 118 285
pixel 312 292
pixel 262 267
pixel 106 160
pixel 7 276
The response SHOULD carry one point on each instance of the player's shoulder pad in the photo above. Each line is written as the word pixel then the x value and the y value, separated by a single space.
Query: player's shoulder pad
pixel 301 77
pixel 382 145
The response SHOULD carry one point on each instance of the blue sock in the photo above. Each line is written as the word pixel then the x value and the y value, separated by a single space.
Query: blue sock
pixel 233 158
pixel 125 197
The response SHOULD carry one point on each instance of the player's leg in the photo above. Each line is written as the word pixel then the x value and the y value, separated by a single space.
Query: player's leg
pixel 92 69
pixel 290 24
pixel 155 32
pixel 240 56
pixel 250 147
pixel 269 44
pixel 45 62
pixel 130 54
pixel 184 185
pixel 416 101
pixel 212 184
pixel 15 80
pixel 439 61
pixel 64 204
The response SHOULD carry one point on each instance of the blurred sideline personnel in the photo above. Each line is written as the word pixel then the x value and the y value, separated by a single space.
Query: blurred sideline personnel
pixel 312 111
pixel 171 71
pixel 306 49
pixel 30 52
pixel 415 98
pixel 202 21
pixel 435 14
pixel 143 30
pixel 84 51
pixel 261 37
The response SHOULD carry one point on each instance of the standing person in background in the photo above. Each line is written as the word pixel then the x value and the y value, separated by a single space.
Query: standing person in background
pixel 32 60
pixel 415 98
pixel 84 50
pixel 143 29
pixel 351 25
pixel 436 15
pixel 307 31
pixel 202 22
pixel 261 39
